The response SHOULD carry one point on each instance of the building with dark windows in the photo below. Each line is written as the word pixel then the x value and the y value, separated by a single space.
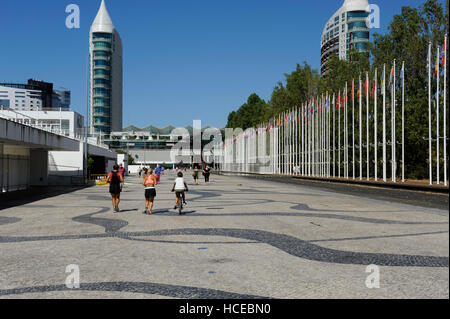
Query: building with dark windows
pixel 105 75
pixel 348 28
pixel 35 95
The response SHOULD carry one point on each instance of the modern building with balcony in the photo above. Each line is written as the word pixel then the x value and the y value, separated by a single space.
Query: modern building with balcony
pixel 347 29
pixel 106 75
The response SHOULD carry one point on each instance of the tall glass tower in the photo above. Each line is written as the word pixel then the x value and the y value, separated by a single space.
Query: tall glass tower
pixel 105 51
pixel 347 28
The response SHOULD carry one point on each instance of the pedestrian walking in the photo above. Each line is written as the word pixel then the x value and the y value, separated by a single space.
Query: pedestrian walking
pixel 122 172
pixel 149 182
pixel 207 173
pixel 158 174
pixel 114 180
pixel 195 175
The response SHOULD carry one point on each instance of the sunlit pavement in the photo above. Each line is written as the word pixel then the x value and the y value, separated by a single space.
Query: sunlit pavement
pixel 239 238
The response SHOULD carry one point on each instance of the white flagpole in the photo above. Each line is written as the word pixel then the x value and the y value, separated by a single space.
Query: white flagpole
pixel 339 136
pixel 329 134
pixel 316 135
pixel 445 111
pixel 394 140
pixel 321 136
pixel 310 136
pixel 367 126
pixel 376 124
pixel 438 158
pixel 353 128
pixel 403 122
pixel 334 135
pixel 304 139
pixel 384 126
pixel 292 145
pixel 345 133
pixel 430 141
pixel 360 131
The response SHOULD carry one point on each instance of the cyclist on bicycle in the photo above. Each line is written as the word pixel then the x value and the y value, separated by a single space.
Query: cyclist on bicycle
pixel 179 187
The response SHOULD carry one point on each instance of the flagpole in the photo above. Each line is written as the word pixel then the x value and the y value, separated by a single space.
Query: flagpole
pixel 376 123
pixel 393 126
pixel 438 177
pixel 445 111
pixel 346 131
pixel 334 135
pixel 360 130
pixel 323 136
pixel 367 126
pixel 353 127
pixel 317 139
pixel 403 122
pixel 310 135
pixel 395 121
pixel 339 134
pixel 302 139
pixel 430 141
pixel 384 126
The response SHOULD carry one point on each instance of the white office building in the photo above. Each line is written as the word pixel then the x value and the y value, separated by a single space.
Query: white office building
pixel 61 121
pixel 20 99
pixel 347 28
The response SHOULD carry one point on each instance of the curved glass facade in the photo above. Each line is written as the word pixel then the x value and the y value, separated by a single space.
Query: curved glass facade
pixel 102 84
pixel 344 30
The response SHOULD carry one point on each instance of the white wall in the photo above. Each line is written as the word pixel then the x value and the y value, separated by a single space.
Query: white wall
pixel 66 163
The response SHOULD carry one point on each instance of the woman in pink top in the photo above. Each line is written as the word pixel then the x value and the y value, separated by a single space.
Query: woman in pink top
pixel 150 191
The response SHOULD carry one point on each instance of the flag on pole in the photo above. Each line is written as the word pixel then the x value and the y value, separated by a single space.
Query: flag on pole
pixel 436 71
pixel 383 84
pixel 374 88
pixel 366 87
pixel 353 88
pixel 391 76
pixel 338 104
pixel 444 52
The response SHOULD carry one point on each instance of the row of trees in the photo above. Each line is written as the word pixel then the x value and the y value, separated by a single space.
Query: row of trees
pixel 406 40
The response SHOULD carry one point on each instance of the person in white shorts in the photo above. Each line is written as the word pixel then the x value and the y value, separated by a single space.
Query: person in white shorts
pixel 179 187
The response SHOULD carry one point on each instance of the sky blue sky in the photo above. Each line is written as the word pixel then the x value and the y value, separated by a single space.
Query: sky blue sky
pixel 183 59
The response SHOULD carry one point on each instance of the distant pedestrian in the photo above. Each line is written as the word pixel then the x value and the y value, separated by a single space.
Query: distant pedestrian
pixel 158 174
pixel 114 180
pixel 195 175
pixel 149 182
pixel 122 172
pixel 207 173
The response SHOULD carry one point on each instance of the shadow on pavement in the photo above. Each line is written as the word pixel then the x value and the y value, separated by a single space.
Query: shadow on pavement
pixel 18 198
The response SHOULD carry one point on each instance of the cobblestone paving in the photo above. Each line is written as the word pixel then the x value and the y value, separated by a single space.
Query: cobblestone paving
pixel 239 238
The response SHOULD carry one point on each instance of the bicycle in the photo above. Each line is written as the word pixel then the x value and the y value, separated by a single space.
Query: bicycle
pixel 180 202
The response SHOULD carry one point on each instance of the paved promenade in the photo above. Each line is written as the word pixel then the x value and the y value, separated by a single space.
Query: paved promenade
pixel 240 238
